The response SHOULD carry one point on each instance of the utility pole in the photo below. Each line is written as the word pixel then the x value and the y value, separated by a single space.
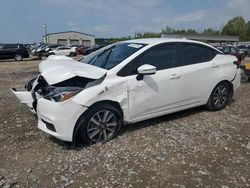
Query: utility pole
pixel 45 31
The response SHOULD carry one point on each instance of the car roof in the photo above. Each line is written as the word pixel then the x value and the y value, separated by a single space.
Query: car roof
pixel 155 41
pixel 160 40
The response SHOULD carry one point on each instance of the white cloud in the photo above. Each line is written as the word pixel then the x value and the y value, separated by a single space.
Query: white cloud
pixel 73 26
pixel 191 17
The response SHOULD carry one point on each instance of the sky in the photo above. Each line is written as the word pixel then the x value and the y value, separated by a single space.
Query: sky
pixel 23 20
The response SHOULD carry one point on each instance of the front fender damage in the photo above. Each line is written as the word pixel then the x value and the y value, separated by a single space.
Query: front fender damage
pixel 112 91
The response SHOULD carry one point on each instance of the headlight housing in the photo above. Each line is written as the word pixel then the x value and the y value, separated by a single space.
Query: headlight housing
pixel 60 94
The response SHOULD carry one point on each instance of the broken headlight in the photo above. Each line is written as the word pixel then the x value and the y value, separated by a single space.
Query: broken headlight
pixel 60 94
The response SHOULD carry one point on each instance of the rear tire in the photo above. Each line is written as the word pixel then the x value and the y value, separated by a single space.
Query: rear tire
pixel 99 124
pixel 219 97
pixel 18 57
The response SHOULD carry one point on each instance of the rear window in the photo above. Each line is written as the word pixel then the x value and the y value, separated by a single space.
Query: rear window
pixel 189 54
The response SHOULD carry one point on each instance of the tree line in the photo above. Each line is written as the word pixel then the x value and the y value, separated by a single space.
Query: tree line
pixel 236 26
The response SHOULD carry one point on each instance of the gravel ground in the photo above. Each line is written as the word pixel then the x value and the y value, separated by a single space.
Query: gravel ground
pixel 193 148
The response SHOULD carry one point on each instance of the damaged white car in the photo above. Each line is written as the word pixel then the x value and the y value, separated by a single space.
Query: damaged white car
pixel 128 82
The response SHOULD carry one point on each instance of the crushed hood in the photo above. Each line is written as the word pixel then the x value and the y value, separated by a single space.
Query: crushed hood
pixel 59 68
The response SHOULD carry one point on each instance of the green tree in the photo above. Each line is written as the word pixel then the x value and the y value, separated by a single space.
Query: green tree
pixel 167 29
pixel 236 26
pixel 210 31
pixel 248 30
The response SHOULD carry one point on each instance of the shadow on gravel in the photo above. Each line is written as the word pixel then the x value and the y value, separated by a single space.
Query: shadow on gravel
pixel 12 60
pixel 133 127
pixel 161 119
pixel 136 126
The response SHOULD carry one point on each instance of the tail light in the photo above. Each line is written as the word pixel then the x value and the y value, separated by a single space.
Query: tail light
pixel 237 63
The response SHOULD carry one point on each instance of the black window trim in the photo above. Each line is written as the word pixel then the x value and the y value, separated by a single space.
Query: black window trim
pixel 176 63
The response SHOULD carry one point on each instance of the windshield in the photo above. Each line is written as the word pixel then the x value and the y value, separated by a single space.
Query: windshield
pixel 112 55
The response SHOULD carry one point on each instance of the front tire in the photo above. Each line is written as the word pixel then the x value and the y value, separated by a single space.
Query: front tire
pixel 101 123
pixel 219 97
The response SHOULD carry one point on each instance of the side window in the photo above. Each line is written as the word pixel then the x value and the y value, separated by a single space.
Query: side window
pixel 226 50
pixel 189 54
pixel 162 57
pixel 9 46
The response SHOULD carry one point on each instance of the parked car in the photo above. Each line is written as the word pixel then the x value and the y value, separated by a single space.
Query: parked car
pixel 243 49
pixel 51 47
pixel 13 51
pixel 79 48
pixel 63 50
pixel 92 49
pixel 231 50
pixel 39 50
pixel 248 50
pixel 128 82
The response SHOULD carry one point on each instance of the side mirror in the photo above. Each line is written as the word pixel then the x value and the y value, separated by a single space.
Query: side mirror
pixel 145 70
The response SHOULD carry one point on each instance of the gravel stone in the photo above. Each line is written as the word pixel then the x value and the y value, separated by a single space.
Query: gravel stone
pixel 192 148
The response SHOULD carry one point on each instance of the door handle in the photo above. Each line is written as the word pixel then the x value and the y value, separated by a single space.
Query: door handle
pixel 175 76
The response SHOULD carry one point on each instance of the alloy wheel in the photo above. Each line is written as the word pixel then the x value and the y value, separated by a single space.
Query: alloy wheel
pixel 102 126
pixel 220 96
pixel 18 57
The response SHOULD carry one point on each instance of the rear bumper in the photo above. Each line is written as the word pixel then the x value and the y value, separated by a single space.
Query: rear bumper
pixel 237 80
pixel 59 119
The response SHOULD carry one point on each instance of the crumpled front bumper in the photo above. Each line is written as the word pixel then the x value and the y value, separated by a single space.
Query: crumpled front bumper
pixel 25 97
pixel 59 118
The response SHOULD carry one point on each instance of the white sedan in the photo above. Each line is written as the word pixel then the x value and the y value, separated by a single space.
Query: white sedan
pixel 128 82
pixel 63 50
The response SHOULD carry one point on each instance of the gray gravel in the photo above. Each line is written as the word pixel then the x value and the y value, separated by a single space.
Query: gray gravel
pixel 193 148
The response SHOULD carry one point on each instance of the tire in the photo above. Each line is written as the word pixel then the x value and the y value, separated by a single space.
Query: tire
pixel 51 54
pixel 18 57
pixel 71 54
pixel 219 97
pixel 99 124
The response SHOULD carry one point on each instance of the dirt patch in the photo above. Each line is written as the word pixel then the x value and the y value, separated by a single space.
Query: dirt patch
pixel 193 148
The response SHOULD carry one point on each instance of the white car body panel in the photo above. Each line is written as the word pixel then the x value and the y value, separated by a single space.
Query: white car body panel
pixel 24 97
pixel 56 71
pixel 59 51
pixel 55 114
pixel 166 91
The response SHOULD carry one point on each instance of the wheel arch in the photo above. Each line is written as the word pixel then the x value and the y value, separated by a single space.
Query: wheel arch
pixel 81 119
pixel 230 84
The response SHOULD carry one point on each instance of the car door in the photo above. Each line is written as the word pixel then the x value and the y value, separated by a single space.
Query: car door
pixel 197 72
pixel 8 51
pixel 2 52
pixel 156 93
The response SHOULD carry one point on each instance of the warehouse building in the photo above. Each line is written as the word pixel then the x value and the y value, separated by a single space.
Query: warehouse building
pixel 68 38
pixel 206 38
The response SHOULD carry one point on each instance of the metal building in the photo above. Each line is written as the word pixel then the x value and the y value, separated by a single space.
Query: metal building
pixel 206 38
pixel 70 38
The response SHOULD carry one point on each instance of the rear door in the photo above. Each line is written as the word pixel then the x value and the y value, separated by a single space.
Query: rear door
pixel 197 70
